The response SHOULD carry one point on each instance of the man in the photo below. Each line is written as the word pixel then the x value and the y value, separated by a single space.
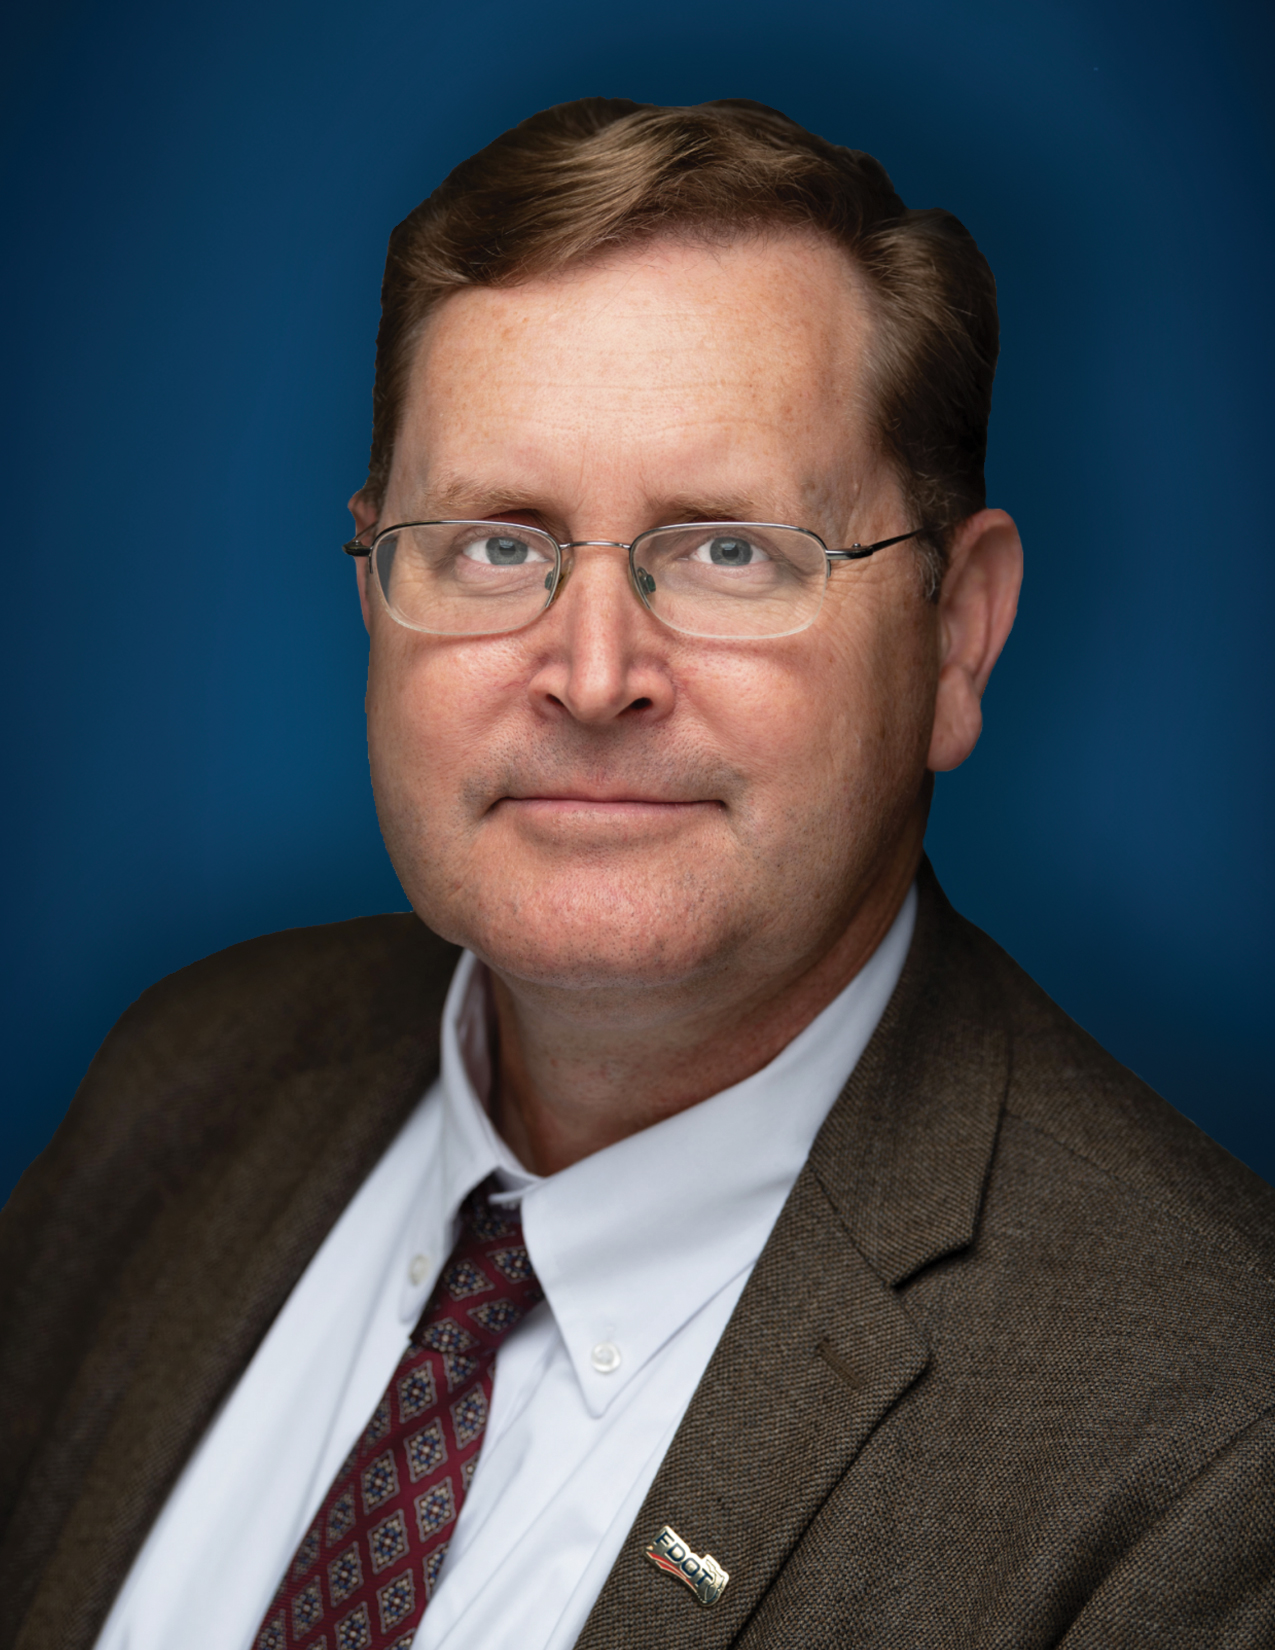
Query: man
pixel 767 1262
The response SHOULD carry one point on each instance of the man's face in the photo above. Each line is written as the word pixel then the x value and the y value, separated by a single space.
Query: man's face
pixel 595 800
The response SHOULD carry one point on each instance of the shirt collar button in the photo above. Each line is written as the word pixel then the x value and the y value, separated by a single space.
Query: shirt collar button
pixel 605 1357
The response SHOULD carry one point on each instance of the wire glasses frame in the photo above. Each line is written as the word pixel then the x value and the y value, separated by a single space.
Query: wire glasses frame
pixel 724 580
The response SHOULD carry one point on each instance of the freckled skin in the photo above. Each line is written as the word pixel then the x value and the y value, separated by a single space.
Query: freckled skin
pixel 645 957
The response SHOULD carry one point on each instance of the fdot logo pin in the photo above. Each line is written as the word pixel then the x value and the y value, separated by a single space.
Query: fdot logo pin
pixel 703 1575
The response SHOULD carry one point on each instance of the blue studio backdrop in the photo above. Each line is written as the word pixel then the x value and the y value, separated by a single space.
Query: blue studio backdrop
pixel 197 201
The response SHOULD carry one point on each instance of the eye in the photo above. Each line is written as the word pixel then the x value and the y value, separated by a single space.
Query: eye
pixel 503 550
pixel 729 551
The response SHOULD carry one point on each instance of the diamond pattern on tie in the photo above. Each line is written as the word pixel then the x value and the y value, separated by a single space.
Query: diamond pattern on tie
pixel 367 1566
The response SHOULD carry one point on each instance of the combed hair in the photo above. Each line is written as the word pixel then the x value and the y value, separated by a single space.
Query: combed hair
pixel 586 177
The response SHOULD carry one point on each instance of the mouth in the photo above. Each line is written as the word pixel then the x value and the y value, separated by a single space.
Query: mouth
pixel 561 801
pixel 607 806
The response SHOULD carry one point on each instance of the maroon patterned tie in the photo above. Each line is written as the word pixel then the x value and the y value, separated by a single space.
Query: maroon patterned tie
pixel 364 1572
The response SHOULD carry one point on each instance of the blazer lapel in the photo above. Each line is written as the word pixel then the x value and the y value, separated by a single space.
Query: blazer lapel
pixel 813 1358
pixel 821 1346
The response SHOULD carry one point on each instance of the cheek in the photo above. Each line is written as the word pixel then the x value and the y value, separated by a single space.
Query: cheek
pixel 783 718
pixel 430 704
pixel 889 709
pixel 830 727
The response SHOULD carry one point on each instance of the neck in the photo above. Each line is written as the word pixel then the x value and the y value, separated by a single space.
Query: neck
pixel 570 1081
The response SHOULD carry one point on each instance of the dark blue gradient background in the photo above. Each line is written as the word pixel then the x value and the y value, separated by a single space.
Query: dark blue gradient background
pixel 196 202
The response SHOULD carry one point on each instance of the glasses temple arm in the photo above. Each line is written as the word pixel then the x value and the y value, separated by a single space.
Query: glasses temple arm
pixel 857 552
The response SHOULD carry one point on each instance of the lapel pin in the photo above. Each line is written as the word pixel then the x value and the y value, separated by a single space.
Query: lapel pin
pixel 704 1576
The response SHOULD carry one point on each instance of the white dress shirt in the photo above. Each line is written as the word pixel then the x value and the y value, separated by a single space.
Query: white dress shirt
pixel 642 1250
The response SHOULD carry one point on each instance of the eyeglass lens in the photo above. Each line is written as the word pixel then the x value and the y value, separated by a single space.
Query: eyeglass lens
pixel 713 579
pixel 731 579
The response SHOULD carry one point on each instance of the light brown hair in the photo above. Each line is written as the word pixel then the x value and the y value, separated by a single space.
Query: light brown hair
pixel 601 173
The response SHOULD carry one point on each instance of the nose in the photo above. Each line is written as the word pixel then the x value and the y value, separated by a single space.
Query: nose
pixel 602 656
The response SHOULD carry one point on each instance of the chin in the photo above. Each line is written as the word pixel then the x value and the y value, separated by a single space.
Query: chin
pixel 594 930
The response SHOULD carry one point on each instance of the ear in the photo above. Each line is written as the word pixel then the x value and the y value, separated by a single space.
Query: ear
pixel 977 604
pixel 365 512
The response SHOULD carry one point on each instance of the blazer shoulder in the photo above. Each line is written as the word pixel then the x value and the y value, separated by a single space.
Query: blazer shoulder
pixel 301 996
pixel 195 1061
pixel 368 971
pixel 1065 1086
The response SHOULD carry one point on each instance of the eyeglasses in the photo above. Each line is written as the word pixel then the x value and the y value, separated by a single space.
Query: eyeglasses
pixel 729 580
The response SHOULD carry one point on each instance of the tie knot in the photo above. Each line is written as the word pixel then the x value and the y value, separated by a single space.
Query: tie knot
pixel 485 1219
pixel 488 1283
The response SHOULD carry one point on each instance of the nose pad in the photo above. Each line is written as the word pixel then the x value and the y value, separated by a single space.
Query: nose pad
pixel 556 577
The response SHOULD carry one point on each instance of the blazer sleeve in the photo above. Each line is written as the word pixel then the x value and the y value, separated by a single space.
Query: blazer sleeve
pixel 1204 1573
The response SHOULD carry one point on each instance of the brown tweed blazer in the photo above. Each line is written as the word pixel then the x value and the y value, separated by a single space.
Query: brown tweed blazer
pixel 1003 1377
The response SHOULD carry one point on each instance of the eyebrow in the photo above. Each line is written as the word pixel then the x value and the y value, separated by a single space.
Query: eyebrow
pixel 724 507
pixel 459 497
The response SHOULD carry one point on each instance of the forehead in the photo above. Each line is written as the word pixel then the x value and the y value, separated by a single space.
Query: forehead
pixel 680 367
